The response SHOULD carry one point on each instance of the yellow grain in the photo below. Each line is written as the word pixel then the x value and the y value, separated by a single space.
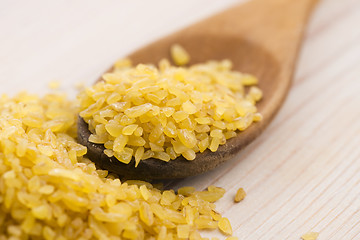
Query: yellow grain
pixel 183 231
pixel 179 55
pixel 129 130
pixel 310 236
pixel 225 226
pixel 240 195
pixel 232 238
pixel 54 84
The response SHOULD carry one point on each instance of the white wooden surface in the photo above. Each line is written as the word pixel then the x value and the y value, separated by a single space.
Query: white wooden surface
pixel 302 174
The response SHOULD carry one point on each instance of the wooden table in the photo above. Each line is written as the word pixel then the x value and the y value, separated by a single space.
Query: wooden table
pixel 302 174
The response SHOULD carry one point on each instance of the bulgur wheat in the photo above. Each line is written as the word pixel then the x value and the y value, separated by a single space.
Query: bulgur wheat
pixel 165 112
pixel 48 190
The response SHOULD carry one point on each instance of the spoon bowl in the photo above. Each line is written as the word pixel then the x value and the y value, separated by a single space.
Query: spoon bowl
pixel 265 46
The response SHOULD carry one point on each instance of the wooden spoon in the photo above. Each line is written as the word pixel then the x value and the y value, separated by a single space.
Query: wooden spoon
pixel 260 37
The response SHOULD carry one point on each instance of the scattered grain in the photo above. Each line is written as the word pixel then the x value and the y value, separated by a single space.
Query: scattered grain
pixel 225 226
pixel 232 238
pixel 54 84
pixel 179 55
pixel 240 195
pixel 310 236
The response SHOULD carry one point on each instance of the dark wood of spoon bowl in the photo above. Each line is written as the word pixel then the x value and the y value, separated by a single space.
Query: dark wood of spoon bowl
pixel 260 37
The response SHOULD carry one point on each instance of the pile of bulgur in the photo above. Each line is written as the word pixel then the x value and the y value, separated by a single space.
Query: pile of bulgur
pixel 49 190
pixel 167 111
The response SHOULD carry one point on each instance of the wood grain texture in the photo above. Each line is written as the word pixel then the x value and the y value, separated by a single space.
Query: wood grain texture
pixel 300 175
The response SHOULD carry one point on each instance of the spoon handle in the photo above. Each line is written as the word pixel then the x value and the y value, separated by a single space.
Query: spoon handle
pixel 276 25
